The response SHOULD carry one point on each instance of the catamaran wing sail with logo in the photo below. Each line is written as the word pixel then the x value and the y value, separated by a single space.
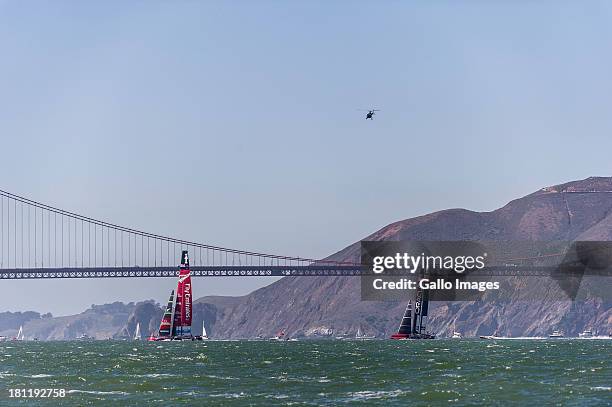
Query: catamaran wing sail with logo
pixel 176 321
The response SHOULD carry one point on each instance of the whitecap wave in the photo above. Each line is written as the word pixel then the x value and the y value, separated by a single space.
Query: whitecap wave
pixel 229 395
pixel 98 393
pixel 369 395
pixel 155 375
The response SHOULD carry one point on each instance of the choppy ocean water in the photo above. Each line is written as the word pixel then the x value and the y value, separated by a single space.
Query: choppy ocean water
pixel 242 373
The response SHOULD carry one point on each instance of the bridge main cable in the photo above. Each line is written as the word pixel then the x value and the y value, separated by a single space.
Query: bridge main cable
pixel 168 239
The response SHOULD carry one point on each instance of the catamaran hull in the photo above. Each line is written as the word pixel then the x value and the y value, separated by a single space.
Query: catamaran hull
pixel 157 339
pixel 412 336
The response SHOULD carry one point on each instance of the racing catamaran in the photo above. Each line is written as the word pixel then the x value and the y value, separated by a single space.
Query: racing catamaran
pixel 176 321
pixel 413 325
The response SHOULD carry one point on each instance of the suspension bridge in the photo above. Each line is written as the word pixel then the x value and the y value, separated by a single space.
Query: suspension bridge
pixel 39 241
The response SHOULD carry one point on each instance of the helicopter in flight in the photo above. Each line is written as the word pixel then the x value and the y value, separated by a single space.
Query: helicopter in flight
pixel 371 113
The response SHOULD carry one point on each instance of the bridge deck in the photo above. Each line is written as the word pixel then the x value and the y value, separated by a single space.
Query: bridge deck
pixel 244 271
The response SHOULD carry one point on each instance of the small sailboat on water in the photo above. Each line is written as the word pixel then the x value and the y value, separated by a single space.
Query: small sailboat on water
pixel 361 336
pixel 137 334
pixel 20 336
pixel 176 321
pixel 204 335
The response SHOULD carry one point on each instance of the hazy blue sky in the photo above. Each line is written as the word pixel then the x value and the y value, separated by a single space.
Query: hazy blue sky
pixel 235 123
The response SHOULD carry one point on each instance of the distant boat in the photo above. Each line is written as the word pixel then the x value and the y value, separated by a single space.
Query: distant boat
pixel 361 336
pixel 137 334
pixel 280 336
pixel 590 334
pixel 341 337
pixel 85 337
pixel 456 335
pixel 3 338
pixel 204 335
pixel 511 338
pixel 556 334
pixel 494 336
pixel 20 336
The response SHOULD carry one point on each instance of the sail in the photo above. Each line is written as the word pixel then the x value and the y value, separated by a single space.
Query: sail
pixel 137 334
pixel 405 329
pixel 424 310
pixel 425 306
pixel 183 307
pixel 20 333
pixel 165 328
pixel 176 316
pixel 204 330
pixel 418 302
pixel 421 309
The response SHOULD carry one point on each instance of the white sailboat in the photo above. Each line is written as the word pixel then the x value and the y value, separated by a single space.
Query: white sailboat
pixel 204 335
pixel 137 334
pixel 20 336
pixel 362 336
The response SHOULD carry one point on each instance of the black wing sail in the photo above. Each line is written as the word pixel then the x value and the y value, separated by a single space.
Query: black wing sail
pixel 165 328
pixel 405 328
pixel 406 325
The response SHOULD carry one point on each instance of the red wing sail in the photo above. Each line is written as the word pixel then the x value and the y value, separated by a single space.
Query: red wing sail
pixel 182 311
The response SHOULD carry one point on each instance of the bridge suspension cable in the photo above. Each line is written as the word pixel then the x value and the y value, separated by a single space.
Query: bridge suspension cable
pixel 36 235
